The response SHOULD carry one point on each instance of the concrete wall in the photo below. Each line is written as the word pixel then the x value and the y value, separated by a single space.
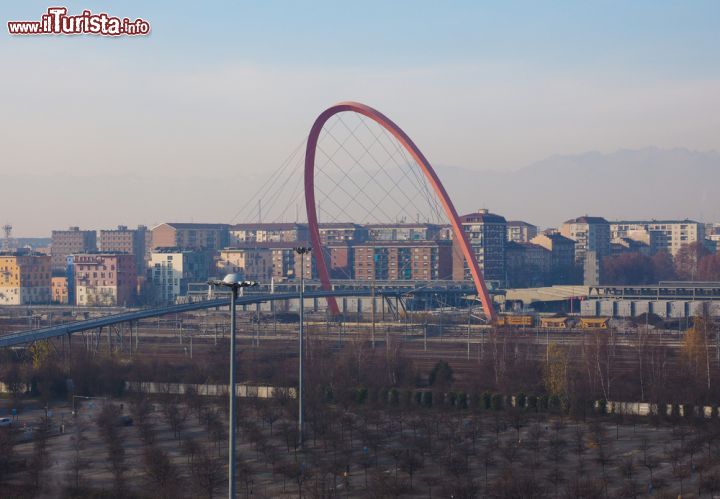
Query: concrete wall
pixel 664 308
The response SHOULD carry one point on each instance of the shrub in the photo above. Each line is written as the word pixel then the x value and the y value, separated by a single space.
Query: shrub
pixel 602 406
pixel 361 395
pixel 487 400
pixel 462 400
pixel 441 373
pixel 394 396
pixel 427 399
pixel 532 403
pixel 496 402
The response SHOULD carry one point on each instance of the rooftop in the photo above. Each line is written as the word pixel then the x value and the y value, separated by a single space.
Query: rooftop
pixel 587 220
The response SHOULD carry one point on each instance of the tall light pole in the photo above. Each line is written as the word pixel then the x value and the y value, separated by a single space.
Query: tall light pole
pixel 233 282
pixel 302 251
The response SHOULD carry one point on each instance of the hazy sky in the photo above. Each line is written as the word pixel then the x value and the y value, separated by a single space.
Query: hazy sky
pixel 223 88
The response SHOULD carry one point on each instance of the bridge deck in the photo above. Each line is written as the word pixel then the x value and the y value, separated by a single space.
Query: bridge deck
pixel 21 337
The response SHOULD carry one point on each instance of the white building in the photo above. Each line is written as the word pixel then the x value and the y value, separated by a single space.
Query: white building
pixel 171 269
pixel 661 235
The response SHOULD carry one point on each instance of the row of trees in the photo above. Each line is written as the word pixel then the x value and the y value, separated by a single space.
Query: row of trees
pixel 692 262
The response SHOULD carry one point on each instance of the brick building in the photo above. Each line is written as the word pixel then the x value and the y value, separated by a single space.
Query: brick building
pixel 68 242
pixel 403 260
pixel 124 240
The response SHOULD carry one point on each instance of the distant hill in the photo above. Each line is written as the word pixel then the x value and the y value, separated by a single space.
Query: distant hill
pixel 644 183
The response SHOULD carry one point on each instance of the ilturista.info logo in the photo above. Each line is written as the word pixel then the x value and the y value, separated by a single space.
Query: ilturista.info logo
pixel 57 21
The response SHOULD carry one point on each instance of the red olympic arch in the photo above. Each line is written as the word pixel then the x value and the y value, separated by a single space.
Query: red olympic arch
pixel 430 175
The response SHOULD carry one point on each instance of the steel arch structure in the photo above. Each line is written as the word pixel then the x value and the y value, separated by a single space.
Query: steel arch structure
pixel 427 170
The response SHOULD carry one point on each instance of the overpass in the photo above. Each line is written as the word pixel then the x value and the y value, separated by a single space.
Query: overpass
pixel 19 338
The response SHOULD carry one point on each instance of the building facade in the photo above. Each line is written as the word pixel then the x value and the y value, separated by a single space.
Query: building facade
pixel 68 242
pixel 170 270
pixel 342 233
pixel 25 278
pixel 60 290
pixel 403 232
pixel 487 233
pixel 562 256
pixel 589 234
pixel 191 236
pixel 403 260
pixel 251 262
pixel 660 235
pixel 102 279
pixel 124 240
pixel 520 232
pixel 527 265
pixel 241 234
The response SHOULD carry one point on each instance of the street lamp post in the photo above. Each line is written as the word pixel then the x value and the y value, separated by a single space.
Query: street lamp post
pixel 233 282
pixel 302 251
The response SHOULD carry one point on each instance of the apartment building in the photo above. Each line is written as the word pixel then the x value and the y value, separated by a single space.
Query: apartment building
pixel 25 278
pixel 102 279
pixel 527 264
pixel 267 233
pixel 170 270
pixel 403 260
pixel 251 262
pixel 589 234
pixel 520 232
pixel 342 232
pixel 660 235
pixel 191 236
pixel 124 240
pixel 403 232
pixel 59 287
pixel 68 242
pixel 487 233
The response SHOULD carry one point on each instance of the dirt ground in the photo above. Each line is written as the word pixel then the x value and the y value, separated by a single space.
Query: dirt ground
pixel 372 453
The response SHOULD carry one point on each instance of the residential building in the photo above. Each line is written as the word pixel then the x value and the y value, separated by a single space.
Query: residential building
pixel 403 260
pixel 267 233
pixel 102 279
pixel 527 264
pixel 403 232
pixel 170 270
pixel 340 258
pixel 250 261
pixel 191 236
pixel 622 245
pixel 59 290
pixel 342 232
pixel 662 235
pixel 24 278
pixel 561 248
pixel 124 240
pixel 520 232
pixel 487 233
pixel 589 234
pixel 68 242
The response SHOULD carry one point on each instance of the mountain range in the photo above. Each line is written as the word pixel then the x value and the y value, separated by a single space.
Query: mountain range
pixel 626 184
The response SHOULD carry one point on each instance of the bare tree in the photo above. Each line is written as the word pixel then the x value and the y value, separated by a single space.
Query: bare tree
pixel 162 475
pixel 78 462
pixel 207 475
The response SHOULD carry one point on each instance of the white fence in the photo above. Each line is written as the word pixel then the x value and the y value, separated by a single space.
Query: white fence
pixel 241 390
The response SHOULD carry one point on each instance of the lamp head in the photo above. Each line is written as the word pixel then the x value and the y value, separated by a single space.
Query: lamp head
pixel 232 279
